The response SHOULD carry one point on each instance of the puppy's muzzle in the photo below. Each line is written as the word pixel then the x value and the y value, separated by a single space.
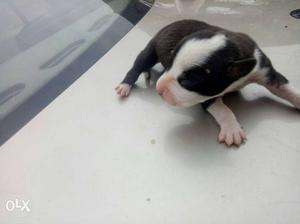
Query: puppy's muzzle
pixel 162 84
pixel 163 89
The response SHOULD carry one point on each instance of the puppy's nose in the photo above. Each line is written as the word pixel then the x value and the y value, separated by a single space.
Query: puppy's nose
pixel 160 88
pixel 160 91
pixel 162 84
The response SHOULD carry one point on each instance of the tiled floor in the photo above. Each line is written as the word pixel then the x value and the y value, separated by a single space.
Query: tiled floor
pixel 90 157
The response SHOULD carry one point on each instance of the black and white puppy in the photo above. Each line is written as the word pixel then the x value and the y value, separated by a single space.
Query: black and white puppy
pixel 204 62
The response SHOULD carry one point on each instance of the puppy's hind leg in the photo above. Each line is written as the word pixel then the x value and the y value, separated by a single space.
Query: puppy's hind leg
pixel 277 84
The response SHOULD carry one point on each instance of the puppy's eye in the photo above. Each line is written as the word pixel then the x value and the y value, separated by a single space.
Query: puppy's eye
pixel 207 71
pixel 187 80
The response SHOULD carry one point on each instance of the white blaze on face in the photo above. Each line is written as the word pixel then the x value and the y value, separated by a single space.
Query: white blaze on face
pixel 196 52
pixel 193 52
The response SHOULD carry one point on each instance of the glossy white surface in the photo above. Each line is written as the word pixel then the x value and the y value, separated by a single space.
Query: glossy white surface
pixel 90 157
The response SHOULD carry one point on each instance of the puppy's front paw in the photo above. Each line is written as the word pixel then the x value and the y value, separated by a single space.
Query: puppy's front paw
pixel 232 134
pixel 123 89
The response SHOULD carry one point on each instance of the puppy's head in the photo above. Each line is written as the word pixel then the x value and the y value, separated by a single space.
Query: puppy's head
pixel 202 68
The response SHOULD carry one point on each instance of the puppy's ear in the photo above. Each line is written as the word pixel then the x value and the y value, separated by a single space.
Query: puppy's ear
pixel 240 68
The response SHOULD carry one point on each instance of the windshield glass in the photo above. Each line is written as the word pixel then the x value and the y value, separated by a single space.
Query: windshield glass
pixel 47 44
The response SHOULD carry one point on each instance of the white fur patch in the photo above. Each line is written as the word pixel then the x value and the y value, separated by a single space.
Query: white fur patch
pixel 183 97
pixel 195 52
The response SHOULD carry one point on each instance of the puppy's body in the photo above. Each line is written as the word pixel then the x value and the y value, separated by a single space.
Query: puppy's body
pixel 204 62
pixel 166 40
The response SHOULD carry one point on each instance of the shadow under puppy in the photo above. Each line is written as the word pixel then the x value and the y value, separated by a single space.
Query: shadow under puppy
pixel 204 62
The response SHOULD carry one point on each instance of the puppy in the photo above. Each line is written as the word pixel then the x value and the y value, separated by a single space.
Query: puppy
pixel 204 62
